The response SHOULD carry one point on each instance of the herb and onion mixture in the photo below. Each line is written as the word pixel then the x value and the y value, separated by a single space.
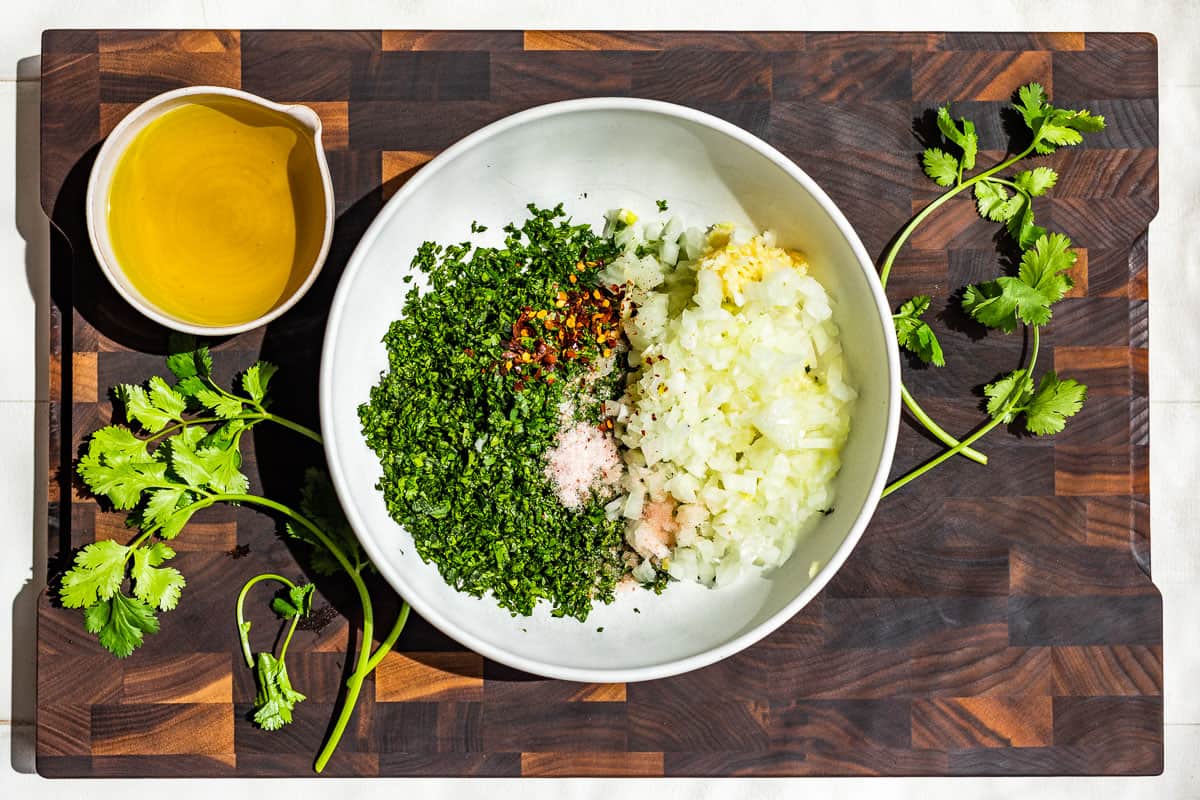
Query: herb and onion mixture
pixel 579 410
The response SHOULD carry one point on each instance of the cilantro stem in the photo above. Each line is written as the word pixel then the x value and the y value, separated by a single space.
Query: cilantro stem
pixel 945 438
pixel 293 426
pixel 252 418
pixel 958 448
pixel 386 645
pixel 180 426
pixel 204 502
pixel 365 662
pixel 244 630
pixel 1012 184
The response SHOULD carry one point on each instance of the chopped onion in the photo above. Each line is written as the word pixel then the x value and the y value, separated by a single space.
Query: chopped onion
pixel 741 416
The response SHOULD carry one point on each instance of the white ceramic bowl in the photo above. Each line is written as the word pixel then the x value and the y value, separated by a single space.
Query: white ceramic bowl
pixel 101 177
pixel 594 155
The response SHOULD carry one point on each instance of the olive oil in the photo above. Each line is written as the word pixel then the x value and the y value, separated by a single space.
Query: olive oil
pixel 216 211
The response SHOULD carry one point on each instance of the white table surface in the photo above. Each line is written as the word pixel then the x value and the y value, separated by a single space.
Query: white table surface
pixel 1174 363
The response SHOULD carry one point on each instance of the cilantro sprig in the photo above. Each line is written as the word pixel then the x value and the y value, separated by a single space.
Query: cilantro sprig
pixel 1040 283
pixel 915 334
pixel 187 457
pixel 180 452
pixel 1008 302
pixel 275 699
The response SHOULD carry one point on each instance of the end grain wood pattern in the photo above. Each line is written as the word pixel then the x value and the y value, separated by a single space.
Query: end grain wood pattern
pixel 992 621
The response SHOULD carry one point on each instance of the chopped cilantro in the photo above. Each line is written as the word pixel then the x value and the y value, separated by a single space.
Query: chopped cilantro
pixel 461 443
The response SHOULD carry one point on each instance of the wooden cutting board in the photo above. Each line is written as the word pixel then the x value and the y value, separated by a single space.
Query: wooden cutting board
pixel 995 620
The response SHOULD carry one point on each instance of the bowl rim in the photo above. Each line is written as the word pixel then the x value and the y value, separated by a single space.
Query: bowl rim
pixel 104 168
pixel 674 666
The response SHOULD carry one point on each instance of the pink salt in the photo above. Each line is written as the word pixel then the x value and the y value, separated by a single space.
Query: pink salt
pixel 656 535
pixel 583 457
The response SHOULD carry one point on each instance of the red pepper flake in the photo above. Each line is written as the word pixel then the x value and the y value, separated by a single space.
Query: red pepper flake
pixel 583 324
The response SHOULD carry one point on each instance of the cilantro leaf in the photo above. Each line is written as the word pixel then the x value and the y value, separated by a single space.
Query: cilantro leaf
pixel 207 466
pixel 1053 403
pixel 120 622
pixel 166 399
pixel 154 584
pixel 192 365
pixel 1013 388
pixel 1032 103
pixel 993 202
pixel 965 137
pixel 1037 181
pixel 153 410
pixel 167 511
pixel 256 378
pixel 940 166
pixel 115 468
pixel 176 522
pixel 189 465
pixel 993 303
pixel 225 469
pixel 294 601
pixel 119 446
pixel 190 387
pixel 182 365
pixel 222 405
pixel 225 435
pixel 1020 224
pixel 97 574
pixel 276 699
pixel 1053 127
pixel 1042 268
pixel 186 358
pixel 1039 284
pixel 161 503
pixel 185 347
pixel 1061 127
pixel 915 335
pixel 182 360
pixel 1046 410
